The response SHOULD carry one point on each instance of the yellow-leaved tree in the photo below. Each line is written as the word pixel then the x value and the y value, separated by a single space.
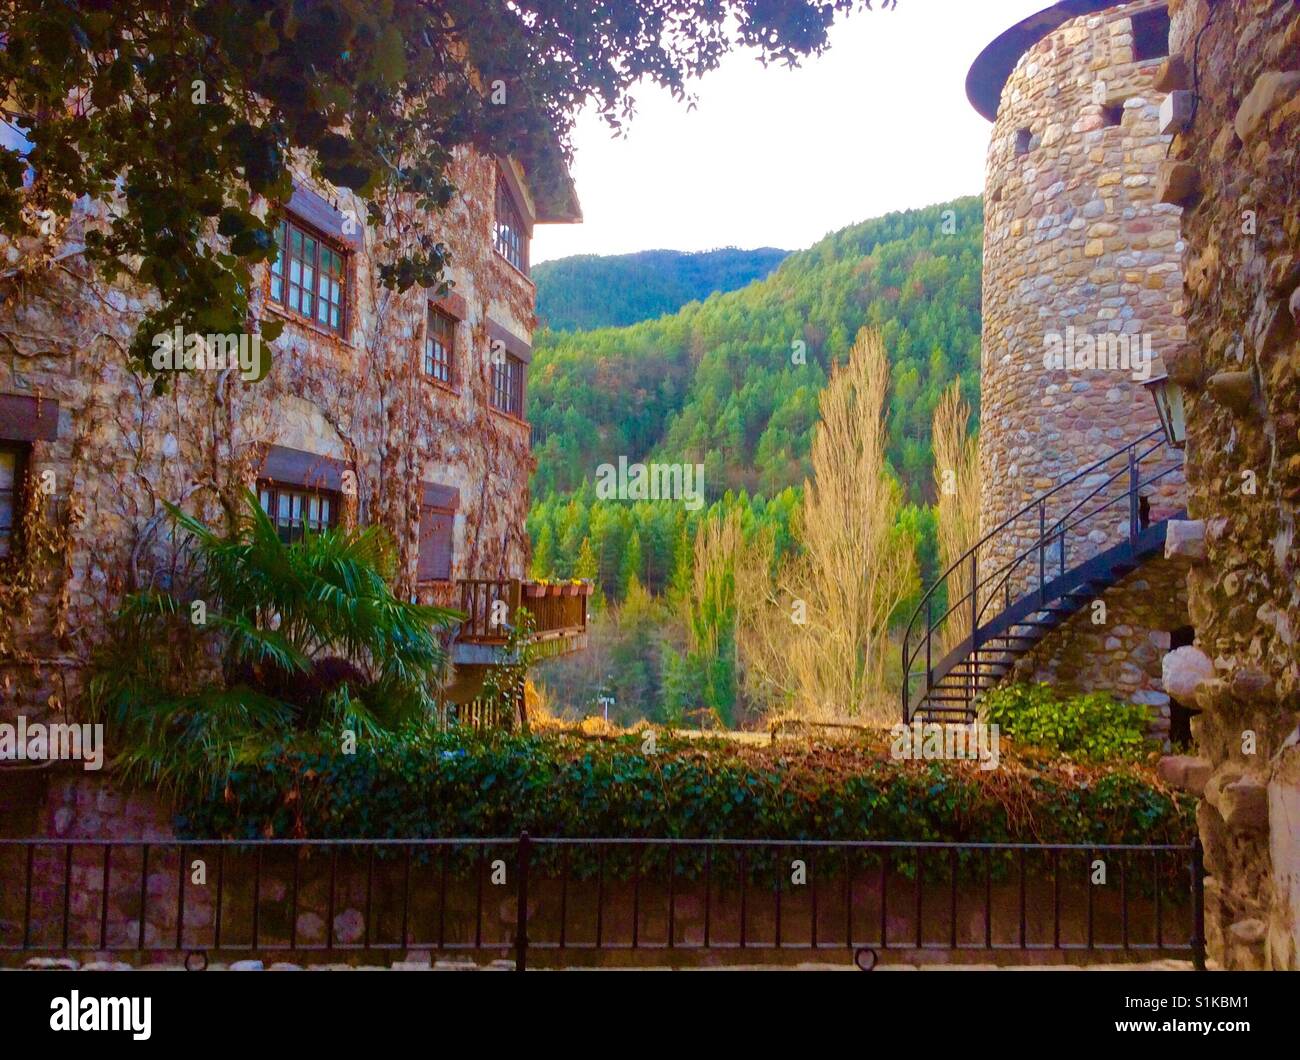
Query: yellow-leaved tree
pixel 815 640
pixel 957 486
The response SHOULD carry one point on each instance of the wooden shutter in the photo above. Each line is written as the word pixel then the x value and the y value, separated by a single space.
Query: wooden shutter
pixel 437 520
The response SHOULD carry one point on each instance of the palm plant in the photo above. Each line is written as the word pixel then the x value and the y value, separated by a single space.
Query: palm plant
pixel 269 639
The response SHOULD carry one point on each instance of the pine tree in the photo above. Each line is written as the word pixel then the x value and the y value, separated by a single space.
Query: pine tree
pixel 631 570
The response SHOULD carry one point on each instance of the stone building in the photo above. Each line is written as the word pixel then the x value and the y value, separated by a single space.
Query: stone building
pixel 1235 170
pixel 403 409
pixel 1081 305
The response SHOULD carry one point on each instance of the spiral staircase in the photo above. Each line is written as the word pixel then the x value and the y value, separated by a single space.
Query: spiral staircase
pixel 1005 611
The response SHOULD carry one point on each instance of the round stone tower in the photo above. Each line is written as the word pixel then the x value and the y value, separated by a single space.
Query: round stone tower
pixel 1081 298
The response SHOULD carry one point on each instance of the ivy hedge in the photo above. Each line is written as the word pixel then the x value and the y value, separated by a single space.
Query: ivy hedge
pixel 462 784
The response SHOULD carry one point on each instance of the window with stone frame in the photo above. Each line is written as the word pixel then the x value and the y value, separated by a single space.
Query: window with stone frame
pixel 440 346
pixel 507 392
pixel 13 472
pixel 309 276
pixel 509 236
pixel 1151 34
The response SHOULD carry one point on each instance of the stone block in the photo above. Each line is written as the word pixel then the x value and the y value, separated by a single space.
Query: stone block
pixel 1177 183
pixel 51 964
pixel 1244 804
pixel 1173 74
pixel 1249 932
pixel 1185 772
pixel 1185 538
pixel 1235 391
pixel 1271 89
pixel 1183 671
pixel 311 928
pixel 349 926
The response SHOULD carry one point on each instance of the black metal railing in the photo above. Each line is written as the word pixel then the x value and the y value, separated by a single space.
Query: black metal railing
pixel 525 895
pixel 983 593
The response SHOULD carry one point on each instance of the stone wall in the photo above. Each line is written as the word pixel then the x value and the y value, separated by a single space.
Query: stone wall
pixel 359 398
pixel 1113 654
pixel 1076 245
pixel 297 903
pixel 1236 171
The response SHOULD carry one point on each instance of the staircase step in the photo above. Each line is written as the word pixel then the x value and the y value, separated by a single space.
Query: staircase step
pixel 978 669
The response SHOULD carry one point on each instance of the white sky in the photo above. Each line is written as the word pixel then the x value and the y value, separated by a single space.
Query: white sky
pixel 777 157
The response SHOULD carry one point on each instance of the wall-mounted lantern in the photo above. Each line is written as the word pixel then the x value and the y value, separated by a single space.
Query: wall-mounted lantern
pixel 1168 397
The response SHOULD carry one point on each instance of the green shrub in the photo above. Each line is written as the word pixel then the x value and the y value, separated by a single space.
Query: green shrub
pixel 428 784
pixel 1094 727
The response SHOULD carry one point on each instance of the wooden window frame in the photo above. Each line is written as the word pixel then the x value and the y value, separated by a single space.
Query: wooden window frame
pixel 430 360
pixel 269 492
pixel 286 226
pixel 509 236
pixel 506 385
pixel 19 499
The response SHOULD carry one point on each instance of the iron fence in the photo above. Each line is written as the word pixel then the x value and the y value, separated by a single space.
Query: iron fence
pixel 527 895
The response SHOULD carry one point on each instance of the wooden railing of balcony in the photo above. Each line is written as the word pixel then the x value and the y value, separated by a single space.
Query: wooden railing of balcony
pixel 559 612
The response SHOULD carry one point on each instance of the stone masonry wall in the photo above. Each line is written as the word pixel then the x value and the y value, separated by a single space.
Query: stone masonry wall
pixel 359 398
pixel 1121 655
pixel 300 916
pixel 1236 170
pixel 1076 244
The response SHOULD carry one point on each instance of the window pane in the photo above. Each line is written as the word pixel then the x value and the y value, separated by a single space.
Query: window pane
pixel 8 500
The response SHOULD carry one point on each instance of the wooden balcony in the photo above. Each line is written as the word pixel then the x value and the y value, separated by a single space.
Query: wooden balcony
pixel 492 606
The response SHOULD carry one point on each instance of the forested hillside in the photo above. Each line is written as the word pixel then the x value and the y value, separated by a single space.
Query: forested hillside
pixel 732 382
pixel 595 291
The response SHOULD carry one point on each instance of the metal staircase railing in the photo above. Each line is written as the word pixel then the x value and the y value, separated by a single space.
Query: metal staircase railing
pixel 1033 600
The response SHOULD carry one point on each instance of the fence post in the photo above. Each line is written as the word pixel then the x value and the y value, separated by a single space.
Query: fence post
pixel 1132 495
pixel 1198 905
pixel 521 916
pixel 929 652
pixel 1042 555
